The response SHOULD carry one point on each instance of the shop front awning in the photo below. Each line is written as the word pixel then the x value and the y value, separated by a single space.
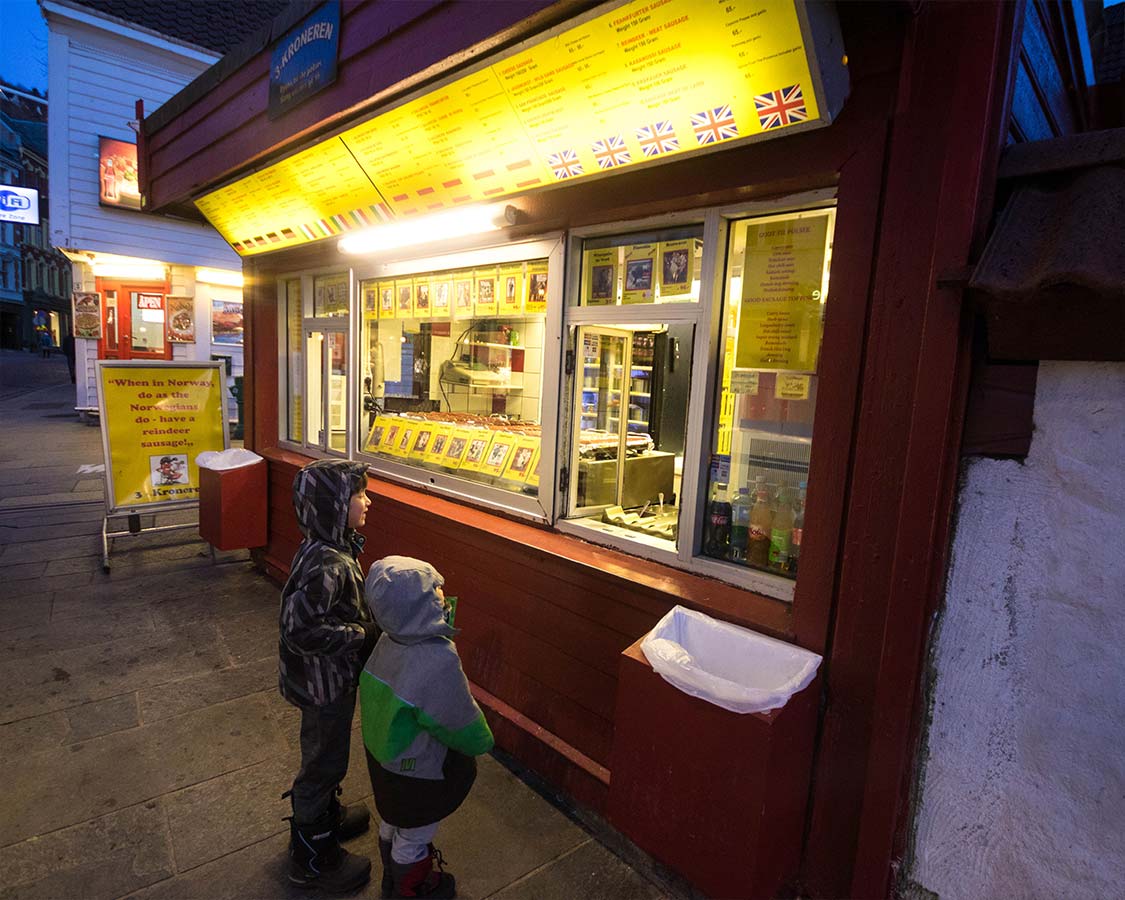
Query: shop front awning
pixel 1051 281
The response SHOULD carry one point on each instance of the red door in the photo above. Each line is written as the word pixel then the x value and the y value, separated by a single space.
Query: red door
pixel 133 325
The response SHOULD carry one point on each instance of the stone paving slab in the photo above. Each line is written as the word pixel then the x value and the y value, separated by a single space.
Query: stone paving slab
pixel 41 585
pixel 39 684
pixel 251 636
pixel 24 571
pixel 109 856
pixel 88 779
pixel 35 640
pixel 53 548
pixel 589 871
pixel 37 474
pixel 178 697
pixel 32 489
pixel 25 533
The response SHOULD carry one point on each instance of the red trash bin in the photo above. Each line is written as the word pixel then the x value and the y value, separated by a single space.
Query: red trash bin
pixel 232 506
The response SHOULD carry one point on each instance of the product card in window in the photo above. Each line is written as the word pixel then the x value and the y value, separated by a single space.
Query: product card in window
pixel 499 452
pixel 458 444
pixel 511 289
pixel 404 302
pixel 421 442
pixel 477 450
pixel 422 297
pixel 463 295
pixel 677 269
pixel 485 304
pixel 386 299
pixel 405 440
pixel 439 443
pixel 601 277
pixel 390 436
pixel 375 436
pixel 536 287
pixel 743 382
pixel 441 296
pixel 533 469
pixel 791 387
pixel 369 296
pixel 640 263
pixel 519 463
pixel 780 320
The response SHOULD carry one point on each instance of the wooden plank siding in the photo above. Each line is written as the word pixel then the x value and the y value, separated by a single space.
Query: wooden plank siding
pixel 105 74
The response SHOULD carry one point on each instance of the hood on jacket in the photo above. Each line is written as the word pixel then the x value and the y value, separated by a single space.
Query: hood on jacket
pixel 402 595
pixel 322 492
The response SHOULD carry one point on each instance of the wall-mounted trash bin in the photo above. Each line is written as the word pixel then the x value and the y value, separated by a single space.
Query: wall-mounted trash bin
pixel 716 794
pixel 232 499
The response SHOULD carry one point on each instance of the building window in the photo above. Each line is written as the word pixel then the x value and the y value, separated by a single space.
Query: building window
pixel 655 395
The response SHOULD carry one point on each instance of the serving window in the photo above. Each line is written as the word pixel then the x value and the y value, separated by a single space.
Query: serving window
pixel 655 395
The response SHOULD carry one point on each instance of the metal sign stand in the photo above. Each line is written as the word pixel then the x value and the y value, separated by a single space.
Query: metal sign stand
pixel 132 514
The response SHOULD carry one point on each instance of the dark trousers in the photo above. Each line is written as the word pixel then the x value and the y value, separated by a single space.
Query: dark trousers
pixel 326 736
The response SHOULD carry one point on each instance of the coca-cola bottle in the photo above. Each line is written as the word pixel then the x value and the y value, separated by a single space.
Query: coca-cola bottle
pixel 716 533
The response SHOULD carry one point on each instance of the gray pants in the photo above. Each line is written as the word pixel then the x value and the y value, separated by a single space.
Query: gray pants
pixel 326 736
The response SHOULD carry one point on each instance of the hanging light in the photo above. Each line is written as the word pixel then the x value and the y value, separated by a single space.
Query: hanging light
pixel 453 223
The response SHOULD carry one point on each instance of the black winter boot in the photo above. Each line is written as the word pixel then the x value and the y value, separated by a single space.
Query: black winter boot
pixel 425 878
pixel 352 821
pixel 316 858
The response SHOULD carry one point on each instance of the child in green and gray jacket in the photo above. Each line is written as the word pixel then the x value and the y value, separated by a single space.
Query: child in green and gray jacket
pixel 421 726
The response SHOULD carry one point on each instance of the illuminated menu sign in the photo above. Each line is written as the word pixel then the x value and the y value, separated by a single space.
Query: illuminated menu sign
pixel 117 174
pixel 644 82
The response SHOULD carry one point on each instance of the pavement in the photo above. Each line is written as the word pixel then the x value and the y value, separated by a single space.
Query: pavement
pixel 144 742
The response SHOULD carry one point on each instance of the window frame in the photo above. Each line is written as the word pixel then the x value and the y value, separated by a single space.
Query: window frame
pixel 564 315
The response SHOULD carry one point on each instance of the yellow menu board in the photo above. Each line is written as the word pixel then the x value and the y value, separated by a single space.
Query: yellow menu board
pixel 156 418
pixel 624 88
pixel 779 324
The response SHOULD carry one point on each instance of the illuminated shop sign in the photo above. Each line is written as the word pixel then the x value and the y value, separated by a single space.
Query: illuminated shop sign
pixel 304 61
pixel 19 204
pixel 117 174
pixel 647 81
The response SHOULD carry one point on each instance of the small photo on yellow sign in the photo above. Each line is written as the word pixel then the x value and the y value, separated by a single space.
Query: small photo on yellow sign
pixel 386 299
pixel 510 283
pixel 441 296
pixel 499 452
pixel 458 445
pixel 405 440
pixel 463 295
pixel 376 434
pixel 421 442
pixel 519 463
pixel 536 301
pixel 390 436
pixel 640 274
pixel 369 291
pixel 677 269
pixel 404 298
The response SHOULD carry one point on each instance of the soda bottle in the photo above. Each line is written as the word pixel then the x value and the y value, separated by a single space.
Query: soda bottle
pixel 761 518
pixel 797 531
pixel 781 533
pixel 716 541
pixel 740 526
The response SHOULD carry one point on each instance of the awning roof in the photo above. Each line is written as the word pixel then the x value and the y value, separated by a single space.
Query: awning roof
pixel 1051 280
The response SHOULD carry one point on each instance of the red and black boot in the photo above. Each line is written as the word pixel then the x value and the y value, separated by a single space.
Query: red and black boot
pixel 425 878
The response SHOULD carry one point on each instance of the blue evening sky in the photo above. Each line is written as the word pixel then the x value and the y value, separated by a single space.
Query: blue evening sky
pixel 23 44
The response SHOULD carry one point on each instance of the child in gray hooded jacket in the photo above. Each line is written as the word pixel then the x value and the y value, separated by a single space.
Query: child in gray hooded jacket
pixel 421 726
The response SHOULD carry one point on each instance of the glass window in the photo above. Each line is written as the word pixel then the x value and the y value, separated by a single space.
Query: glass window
pixel 147 312
pixel 451 371
pixel 774 298
pixel 330 295
pixel 657 267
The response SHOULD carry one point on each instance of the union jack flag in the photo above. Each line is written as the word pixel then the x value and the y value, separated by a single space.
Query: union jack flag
pixel 657 138
pixel 713 125
pixel 565 164
pixel 611 152
pixel 782 107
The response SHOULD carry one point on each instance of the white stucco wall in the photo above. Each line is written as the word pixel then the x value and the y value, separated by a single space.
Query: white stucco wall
pixel 1023 791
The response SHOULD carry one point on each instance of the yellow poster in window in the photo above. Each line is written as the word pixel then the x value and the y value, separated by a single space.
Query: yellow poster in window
pixel 640 273
pixel 441 296
pixel 677 269
pixel 405 440
pixel 791 387
pixel 421 443
pixel 477 450
pixel 510 285
pixel 439 443
pixel 390 435
pixel 376 434
pixel 422 296
pixel 601 277
pixel 386 299
pixel 462 295
pixel 369 295
pixel 458 444
pixel 536 300
pixel 404 298
pixel 499 452
pixel 156 418
pixel 485 304
pixel 533 469
pixel 780 321
pixel 519 462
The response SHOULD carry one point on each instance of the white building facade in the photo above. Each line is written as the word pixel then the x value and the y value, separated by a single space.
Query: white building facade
pixel 167 289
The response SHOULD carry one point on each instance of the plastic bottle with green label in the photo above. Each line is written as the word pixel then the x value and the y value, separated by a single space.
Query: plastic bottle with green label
pixel 781 533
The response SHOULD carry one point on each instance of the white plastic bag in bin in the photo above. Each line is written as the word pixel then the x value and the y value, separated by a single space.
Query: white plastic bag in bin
pixel 730 666
pixel 234 458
